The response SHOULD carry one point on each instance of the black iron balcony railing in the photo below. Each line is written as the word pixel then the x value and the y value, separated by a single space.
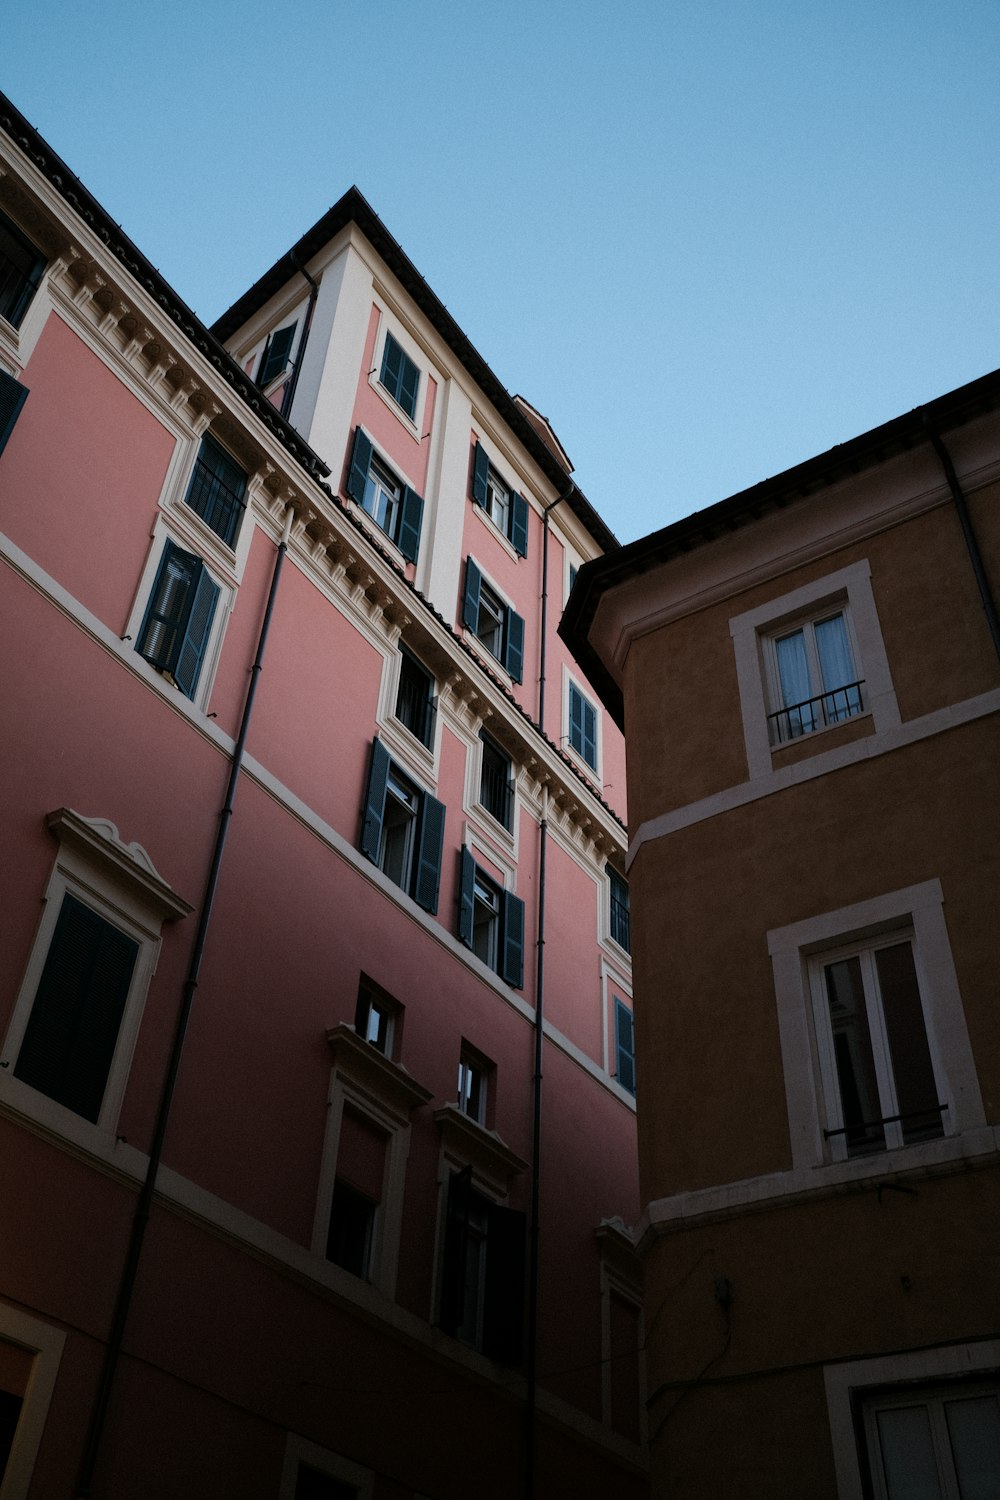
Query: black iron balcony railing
pixel 496 794
pixel 918 1125
pixel 620 928
pixel 816 713
pixel 415 707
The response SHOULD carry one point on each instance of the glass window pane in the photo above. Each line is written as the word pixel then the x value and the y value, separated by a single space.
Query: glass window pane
pixel 852 1048
pixel 974 1429
pixel 907 1448
pixel 916 1091
pixel 793 675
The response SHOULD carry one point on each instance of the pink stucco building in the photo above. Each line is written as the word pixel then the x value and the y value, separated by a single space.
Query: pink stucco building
pixel 316 1083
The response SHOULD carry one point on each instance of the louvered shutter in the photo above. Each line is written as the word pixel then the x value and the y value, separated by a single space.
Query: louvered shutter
pixel 480 475
pixel 12 397
pixel 473 590
pixel 409 381
pixel 169 608
pixel 361 458
pixel 195 640
pixel 519 523
pixel 70 1039
pixel 512 936
pixel 466 898
pixel 374 807
pixel 503 1293
pixel 275 356
pixel 427 884
pixel 514 651
pixel 624 1046
pixel 410 517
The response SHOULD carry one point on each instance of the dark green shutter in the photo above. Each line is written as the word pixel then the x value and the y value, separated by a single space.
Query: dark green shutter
pixel 466 898
pixel 512 937
pixel 480 474
pixel 519 523
pixel 590 734
pixel 195 639
pixel 410 516
pixel 361 459
pixel 427 883
pixel 503 1293
pixel 374 806
pixel 514 652
pixel 70 1039
pixel 408 385
pixel 624 1046
pixel 473 591
pixel 169 608
pixel 12 397
pixel 275 357
pixel 456 1254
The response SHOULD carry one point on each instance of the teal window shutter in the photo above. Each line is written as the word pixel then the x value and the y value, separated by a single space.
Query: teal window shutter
pixel 514 653
pixel 410 517
pixel 466 897
pixel 512 969
pixel 361 459
pixel 624 1046
pixel 519 523
pixel 374 806
pixel 274 360
pixel 399 376
pixel 473 592
pixel 12 397
pixel 72 1032
pixel 582 726
pixel 480 474
pixel 195 639
pixel 427 881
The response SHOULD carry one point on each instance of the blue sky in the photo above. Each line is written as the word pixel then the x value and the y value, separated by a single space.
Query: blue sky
pixel 707 240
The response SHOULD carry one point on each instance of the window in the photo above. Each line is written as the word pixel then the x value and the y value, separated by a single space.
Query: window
pixel 357 1193
pixel 178 620
pixel 403 830
pixel 415 706
pixel 378 1018
pixel 878 1075
pixel 392 505
pixel 940 1443
pixel 217 490
pixel 491 922
pixel 274 360
pixel 496 788
pixel 814 679
pixel 473 1085
pixel 30 1352
pixel 482 1280
pixel 12 397
pixel 582 727
pixel 505 507
pixel 310 1472
pixel 21 267
pixel 624 1046
pixel 493 622
pixel 399 376
pixel 313 1484
pixel 71 1035
pixel 620 923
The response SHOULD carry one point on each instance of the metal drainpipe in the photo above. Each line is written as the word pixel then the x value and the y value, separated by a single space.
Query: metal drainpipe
pixel 972 546
pixel 293 384
pixel 531 1398
pixel 126 1285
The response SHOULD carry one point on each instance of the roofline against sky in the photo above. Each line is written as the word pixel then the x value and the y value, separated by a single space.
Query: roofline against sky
pixel 866 451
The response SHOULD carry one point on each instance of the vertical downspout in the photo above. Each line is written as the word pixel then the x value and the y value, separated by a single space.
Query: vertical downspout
pixel 292 386
pixel 971 544
pixel 531 1398
pixel 130 1268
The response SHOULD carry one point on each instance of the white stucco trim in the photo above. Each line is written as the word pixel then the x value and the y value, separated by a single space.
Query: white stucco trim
pixel 46 1344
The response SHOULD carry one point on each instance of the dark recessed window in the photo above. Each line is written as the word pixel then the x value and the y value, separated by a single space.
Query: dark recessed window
pixel 415 698
pixel 217 491
pixel 496 789
pixel 21 267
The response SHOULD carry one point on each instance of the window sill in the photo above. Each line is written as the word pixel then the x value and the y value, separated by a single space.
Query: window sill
pixel 373 529
pixel 393 405
pixel 485 655
pixel 858 727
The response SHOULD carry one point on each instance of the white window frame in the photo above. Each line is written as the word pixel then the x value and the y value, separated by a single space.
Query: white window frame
pixel 848 589
pixel 223 609
pixel 46 1345
pixel 595 772
pixel 120 884
pixel 299 1450
pixel 846 1384
pixel 933 1399
pixel 382 1093
pixel 916 910
pixel 472 1065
